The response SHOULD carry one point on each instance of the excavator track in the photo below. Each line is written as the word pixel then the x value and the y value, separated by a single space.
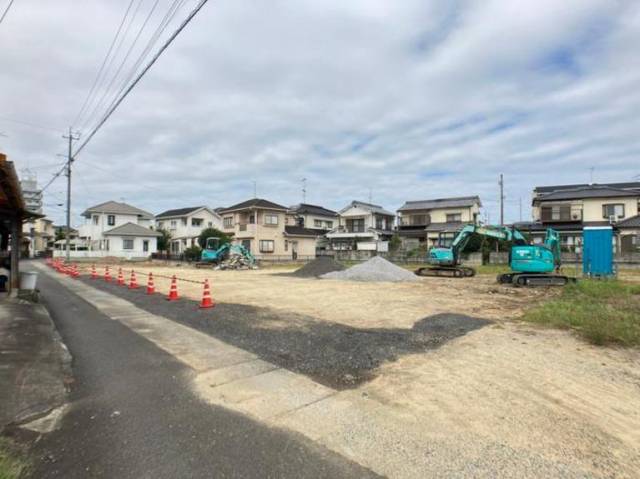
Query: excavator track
pixel 534 279
pixel 446 271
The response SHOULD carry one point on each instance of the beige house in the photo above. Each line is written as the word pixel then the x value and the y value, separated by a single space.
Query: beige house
pixel 40 234
pixel 314 217
pixel 186 224
pixel 569 208
pixel 435 222
pixel 268 230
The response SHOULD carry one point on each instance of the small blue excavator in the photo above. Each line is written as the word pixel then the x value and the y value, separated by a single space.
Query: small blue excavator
pixel 214 253
pixel 531 264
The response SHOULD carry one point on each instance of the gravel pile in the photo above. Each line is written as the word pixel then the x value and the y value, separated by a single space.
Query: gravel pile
pixel 375 269
pixel 318 267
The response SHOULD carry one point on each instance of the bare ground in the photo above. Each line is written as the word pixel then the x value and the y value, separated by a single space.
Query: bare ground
pixel 537 390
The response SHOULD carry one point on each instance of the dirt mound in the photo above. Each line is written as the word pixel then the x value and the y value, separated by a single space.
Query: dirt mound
pixel 318 267
pixel 375 269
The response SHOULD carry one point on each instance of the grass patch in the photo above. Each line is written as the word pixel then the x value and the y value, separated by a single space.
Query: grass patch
pixel 602 312
pixel 12 465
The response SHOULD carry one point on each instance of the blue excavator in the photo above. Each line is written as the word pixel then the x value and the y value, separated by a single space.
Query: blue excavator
pixel 531 264
pixel 214 253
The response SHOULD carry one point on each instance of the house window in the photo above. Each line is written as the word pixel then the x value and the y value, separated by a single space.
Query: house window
pixel 328 224
pixel 616 210
pixel 454 217
pixel 127 244
pixel 196 221
pixel 266 246
pixel 184 221
pixel 210 224
pixel 286 245
pixel 355 225
pixel 160 224
pixel 270 219
pixel 379 222
pixel 96 219
pixel 145 246
pixel 556 213
pixel 174 223
pixel 111 220
pixel 227 222
pixel 252 219
pixel 317 223
pixel 418 220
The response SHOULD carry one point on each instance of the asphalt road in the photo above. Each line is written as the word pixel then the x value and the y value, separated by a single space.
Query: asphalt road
pixel 133 415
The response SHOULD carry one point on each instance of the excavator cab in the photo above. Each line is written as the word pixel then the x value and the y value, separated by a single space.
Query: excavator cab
pixel 212 243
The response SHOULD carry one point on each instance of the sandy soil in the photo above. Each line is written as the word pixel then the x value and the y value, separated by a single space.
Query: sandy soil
pixel 392 305
pixel 537 390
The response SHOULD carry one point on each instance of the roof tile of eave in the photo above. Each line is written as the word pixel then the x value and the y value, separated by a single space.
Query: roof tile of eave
pixel 312 209
pixel 117 208
pixel 453 202
pixel 631 222
pixel 587 192
pixel 254 203
pixel 131 229
pixel 179 211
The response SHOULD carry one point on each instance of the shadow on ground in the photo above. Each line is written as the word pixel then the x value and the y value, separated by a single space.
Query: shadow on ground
pixel 332 354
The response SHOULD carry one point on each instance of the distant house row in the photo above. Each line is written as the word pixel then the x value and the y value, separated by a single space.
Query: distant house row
pixel 269 229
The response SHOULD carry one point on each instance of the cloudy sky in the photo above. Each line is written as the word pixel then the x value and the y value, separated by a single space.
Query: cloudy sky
pixel 393 100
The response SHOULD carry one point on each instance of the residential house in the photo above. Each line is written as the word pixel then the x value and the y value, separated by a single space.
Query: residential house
pixel 268 230
pixel 435 222
pixel 362 226
pixel 40 234
pixel 314 217
pixel 569 208
pixel 186 224
pixel 60 231
pixel 118 229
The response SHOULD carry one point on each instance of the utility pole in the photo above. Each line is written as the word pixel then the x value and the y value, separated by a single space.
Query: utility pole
pixel 255 189
pixel 71 138
pixel 501 183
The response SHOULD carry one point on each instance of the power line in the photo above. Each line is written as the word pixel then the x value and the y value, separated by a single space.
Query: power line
pixel 32 125
pixel 173 9
pixel 96 108
pixel 6 10
pixel 104 62
pixel 166 44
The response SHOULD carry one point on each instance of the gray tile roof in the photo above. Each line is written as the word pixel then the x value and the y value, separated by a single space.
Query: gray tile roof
pixel 254 203
pixel 114 207
pixel 632 222
pixel 301 231
pixel 444 227
pixel 367 206
pixel 312 209
pixel 131 229
pixel 633 185
pixel 179 212
pixel 593 191
pixel 455 202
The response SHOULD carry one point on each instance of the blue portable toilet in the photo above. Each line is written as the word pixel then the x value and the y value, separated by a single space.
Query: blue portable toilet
pixel 597 246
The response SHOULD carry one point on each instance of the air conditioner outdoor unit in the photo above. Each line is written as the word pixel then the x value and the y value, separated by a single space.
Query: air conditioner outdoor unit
pixel 612 219
pixel 575 216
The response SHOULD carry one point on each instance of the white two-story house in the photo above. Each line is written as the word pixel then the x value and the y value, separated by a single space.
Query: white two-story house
pixel 186 224
pixel 118 229
pixel 362 226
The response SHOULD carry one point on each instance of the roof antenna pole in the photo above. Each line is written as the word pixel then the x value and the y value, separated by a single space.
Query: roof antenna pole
pixel 591 174
pixel 304 190
pixel 370 196
pixel 255 189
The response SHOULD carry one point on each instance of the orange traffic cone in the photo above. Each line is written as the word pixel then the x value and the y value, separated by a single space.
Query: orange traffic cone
pixel 107 274
pixel 151 288
pixel 120 280
pixel 94 274
pixel 133 282
pixel 206 302
pixel 74 271
pixel 173 292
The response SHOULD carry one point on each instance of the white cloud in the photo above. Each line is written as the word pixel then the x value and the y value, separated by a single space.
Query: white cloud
pixel 412 99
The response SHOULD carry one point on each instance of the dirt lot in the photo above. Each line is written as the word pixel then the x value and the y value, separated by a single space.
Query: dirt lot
pixel 499 383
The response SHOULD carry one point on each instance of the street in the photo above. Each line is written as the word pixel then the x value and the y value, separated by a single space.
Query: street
pixel 133 414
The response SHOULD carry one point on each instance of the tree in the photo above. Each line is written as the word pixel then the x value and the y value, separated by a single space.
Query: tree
pixel 164 240
pixel 192 253
pixel 212 233
pixel 394 243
